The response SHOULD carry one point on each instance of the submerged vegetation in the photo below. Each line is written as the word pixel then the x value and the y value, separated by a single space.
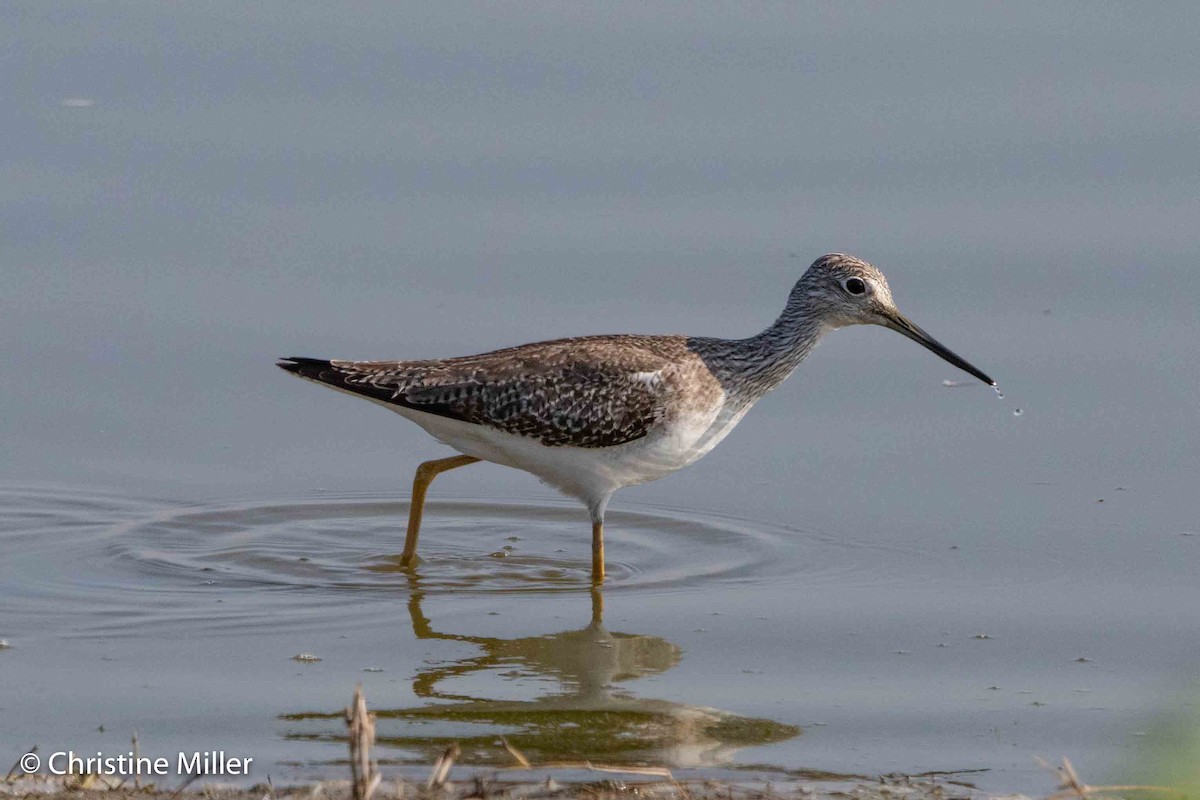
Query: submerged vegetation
pixel 1171 766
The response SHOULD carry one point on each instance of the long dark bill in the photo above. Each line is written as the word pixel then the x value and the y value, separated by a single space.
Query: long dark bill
pixel 899 323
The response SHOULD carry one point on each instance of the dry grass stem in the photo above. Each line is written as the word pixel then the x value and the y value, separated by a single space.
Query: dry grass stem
pixel 515 753
pixel 657 772
pixel 441 767
pixel 17 765
pixel 195 776
pixel 364 772
pixel 1069 785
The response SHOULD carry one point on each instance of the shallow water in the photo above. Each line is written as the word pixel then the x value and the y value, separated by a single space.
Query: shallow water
pixel 884 568
pixel 723 645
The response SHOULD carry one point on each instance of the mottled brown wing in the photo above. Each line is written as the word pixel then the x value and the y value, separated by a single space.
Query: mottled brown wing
pixel 583 405
pixel 559 401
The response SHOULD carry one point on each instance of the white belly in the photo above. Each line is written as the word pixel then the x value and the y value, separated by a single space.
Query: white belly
pixel 589 473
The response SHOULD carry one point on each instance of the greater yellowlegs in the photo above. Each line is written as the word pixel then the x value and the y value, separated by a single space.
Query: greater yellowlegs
pixel 593 414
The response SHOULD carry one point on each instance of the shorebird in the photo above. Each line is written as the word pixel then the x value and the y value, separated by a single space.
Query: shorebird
pixel 593 414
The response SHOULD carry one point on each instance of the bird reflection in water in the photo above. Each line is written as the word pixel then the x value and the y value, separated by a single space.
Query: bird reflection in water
pixel 586 716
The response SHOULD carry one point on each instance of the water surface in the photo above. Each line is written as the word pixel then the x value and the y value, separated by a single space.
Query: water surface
pixel 724 645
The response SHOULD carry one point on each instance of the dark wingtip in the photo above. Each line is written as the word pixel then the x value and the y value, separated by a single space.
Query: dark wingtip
pixel 298 364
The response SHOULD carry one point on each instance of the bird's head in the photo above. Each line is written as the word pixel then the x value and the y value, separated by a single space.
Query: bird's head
pixel 843 290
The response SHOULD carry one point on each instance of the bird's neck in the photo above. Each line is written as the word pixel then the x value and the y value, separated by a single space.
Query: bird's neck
pixel 749 368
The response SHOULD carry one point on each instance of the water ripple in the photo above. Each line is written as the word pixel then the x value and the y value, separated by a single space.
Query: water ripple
pixel 115 565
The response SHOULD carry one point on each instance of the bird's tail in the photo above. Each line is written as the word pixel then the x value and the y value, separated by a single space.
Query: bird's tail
pixel 338 375
pixel 311 368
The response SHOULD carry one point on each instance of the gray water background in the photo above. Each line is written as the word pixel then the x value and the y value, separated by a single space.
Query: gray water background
pixel 245 182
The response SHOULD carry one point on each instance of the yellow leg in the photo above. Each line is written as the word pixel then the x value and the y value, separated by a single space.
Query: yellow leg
pixel 425 475
pixel 597 552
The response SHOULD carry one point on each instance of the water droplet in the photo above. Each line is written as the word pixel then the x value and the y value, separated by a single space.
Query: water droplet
pixel 999 394
pixel 1017 412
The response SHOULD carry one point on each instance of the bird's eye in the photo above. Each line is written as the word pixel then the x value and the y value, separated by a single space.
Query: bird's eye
pixel 855 285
